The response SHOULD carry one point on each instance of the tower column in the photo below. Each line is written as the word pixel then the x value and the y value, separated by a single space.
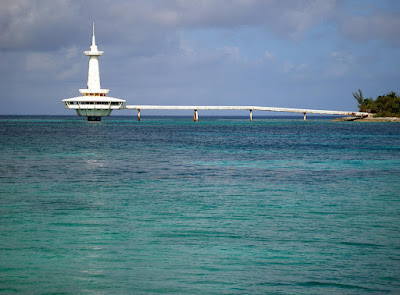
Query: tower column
pixel 93 73
pixel 196 116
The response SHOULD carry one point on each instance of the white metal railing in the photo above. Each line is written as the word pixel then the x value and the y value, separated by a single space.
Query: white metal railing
pixel 248 108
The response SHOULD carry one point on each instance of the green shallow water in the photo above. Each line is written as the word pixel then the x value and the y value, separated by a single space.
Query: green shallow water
pixel 221 206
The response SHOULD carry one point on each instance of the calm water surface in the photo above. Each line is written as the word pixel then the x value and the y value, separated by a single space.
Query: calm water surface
pixel 221 206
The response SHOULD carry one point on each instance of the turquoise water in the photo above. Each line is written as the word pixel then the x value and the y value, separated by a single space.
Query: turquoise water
pixel 221 206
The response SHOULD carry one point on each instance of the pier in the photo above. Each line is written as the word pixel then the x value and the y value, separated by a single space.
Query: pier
pixel 244 108
pixel 94 102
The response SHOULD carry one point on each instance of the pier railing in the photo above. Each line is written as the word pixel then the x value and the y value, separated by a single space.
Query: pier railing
pixel 245 108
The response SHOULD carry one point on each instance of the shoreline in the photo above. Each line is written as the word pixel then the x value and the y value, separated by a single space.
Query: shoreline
pixel 367 119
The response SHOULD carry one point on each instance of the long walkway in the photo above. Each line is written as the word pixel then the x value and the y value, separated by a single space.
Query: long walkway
pixel 245 108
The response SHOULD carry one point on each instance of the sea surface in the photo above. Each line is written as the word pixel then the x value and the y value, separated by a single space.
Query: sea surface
pixel 219 206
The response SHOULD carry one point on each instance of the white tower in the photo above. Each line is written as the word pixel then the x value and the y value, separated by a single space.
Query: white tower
pixel 93 103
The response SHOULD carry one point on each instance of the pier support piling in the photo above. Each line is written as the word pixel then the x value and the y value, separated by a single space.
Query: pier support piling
pixel 251 115
pixel 93 118
pixel 304 116
pixel 138 115
pixel 196 116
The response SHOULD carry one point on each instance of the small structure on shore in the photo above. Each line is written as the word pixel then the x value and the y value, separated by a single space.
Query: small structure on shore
pixel 94 103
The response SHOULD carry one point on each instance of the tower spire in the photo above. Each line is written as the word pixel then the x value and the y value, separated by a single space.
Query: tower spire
pixel 93 38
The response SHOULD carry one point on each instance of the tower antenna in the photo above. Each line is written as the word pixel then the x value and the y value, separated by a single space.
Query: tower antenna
pixel 93 38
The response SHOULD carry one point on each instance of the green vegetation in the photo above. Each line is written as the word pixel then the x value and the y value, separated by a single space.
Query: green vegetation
pixel 387 105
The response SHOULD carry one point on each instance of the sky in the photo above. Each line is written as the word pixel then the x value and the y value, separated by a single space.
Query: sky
pixel 299 53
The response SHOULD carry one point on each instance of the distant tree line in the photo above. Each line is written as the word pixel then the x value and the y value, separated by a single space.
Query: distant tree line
pixel 387 105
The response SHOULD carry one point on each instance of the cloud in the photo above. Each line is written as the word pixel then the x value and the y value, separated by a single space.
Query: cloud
pixel 296 71
pixel 37 25
pixel 383 27
pixel 269 55
pixel 152 26
pixel 342 57
pixel 65 65
pixel 40 61
pixel 339 64
pixel 231 52
pixel 47 25
pixel 291 19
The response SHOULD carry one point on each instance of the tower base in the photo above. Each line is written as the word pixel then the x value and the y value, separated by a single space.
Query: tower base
pixel 93 118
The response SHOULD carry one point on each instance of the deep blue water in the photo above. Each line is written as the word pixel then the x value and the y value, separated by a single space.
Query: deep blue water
pixel 221 206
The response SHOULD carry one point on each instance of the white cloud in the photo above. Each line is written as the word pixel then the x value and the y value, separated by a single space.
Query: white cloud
pixel 62 64
pixel 336 70
pixel 298 19
pixel 47 25
pixel 69 72
pixel 342 56
pixel 231 52
pixel 385 27
pixel 37 61
pixel 287 66
pixel 290 19
pixel 37 24
pixel 269 55
pixel 339 64
pixel 71 52
pixel 290 67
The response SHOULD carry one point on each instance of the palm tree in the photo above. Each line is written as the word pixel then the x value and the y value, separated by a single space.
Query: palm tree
pixel 359 97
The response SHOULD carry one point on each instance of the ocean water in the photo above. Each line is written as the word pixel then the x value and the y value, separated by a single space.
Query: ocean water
pixel 221 206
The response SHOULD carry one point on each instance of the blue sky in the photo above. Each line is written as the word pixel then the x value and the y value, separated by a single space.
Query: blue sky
pixel 304 53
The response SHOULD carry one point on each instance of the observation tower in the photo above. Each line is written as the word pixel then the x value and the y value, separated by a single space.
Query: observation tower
pixel 94 103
